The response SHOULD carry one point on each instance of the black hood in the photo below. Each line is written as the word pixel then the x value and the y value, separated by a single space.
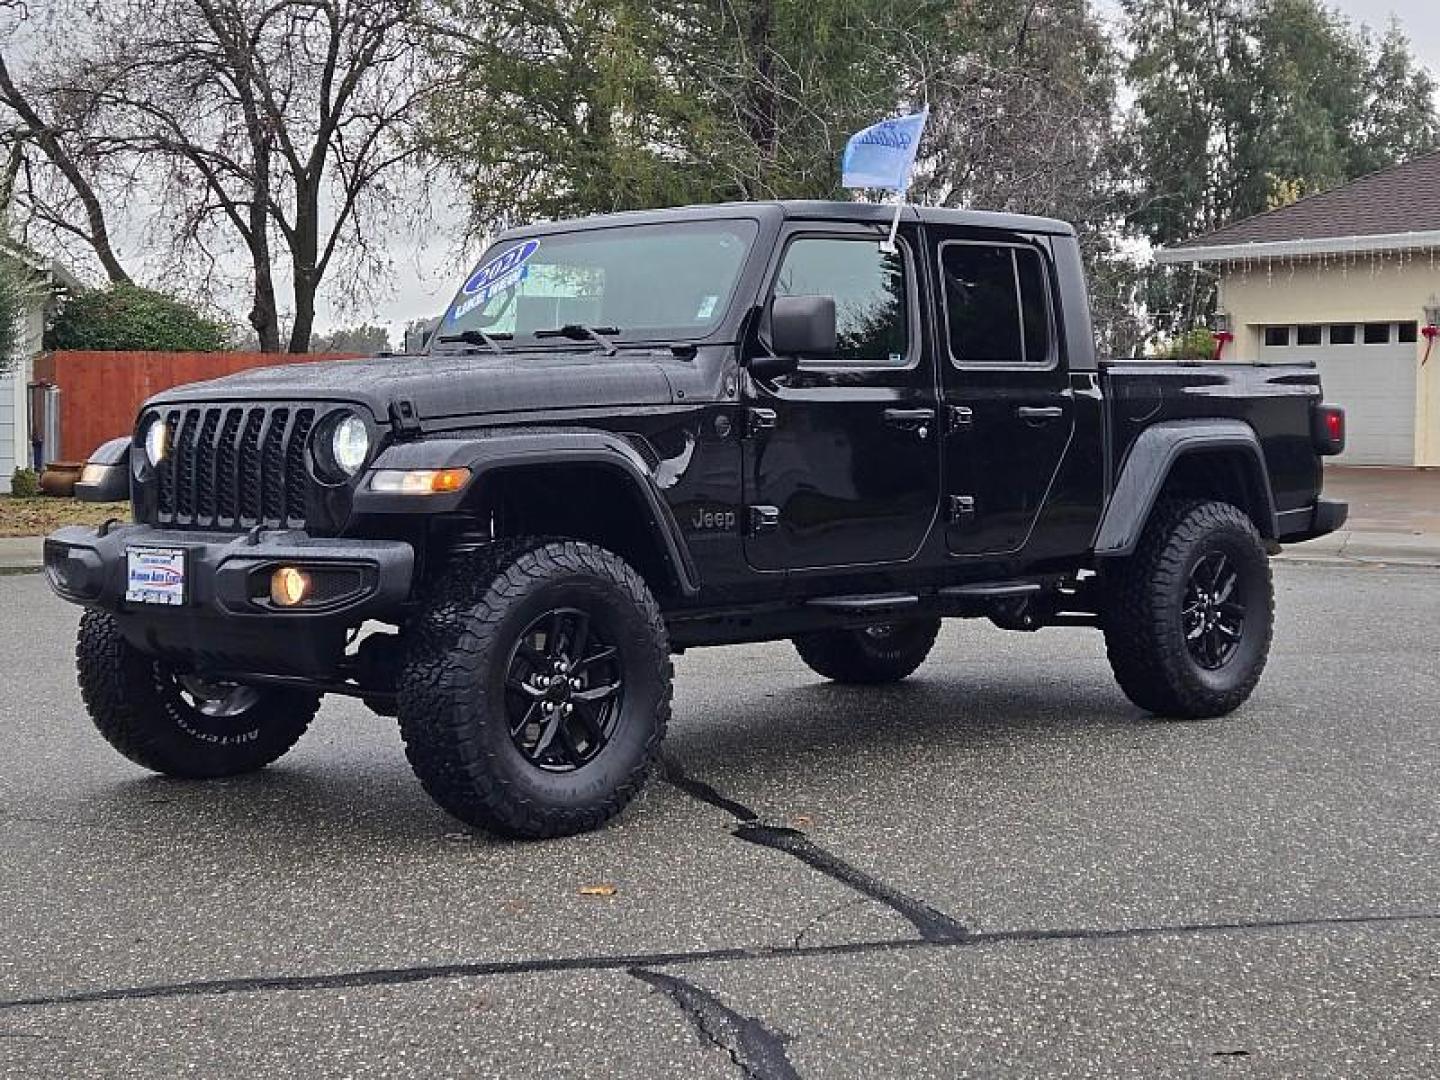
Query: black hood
pixel 450 384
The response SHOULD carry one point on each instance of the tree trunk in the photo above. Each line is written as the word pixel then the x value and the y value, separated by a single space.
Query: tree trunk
pixel 760 94
pixel 305 254
pixel 264 316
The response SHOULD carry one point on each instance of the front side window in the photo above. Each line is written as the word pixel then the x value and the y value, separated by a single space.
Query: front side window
pixel 997 308
pixel 871 291
pixel 646 281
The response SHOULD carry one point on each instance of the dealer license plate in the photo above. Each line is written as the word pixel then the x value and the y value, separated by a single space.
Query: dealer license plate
pixel 155 576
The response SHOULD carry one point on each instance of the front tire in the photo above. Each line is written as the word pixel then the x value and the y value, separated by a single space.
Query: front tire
pixel 1189 617
pixel 884 653
pixel 176 724
pixel 536 690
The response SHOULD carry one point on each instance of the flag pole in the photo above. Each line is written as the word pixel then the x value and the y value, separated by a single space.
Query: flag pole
pixel 888 246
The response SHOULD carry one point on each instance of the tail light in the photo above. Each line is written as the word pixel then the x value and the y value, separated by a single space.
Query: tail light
pixel 1327 429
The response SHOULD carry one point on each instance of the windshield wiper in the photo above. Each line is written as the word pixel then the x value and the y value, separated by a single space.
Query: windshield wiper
pixel 582 332
pixel 478 337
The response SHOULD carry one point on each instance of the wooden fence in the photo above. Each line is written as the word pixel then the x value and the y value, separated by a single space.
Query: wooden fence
pixel 101 392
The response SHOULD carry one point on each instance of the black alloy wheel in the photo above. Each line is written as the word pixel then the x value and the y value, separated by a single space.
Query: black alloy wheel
pixel 1214 611
pixel 565 691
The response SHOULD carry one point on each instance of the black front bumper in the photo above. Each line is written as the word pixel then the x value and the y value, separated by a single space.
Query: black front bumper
pixel 228 620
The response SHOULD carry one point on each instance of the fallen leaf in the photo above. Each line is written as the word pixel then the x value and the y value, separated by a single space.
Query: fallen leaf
pixel 802 821
pixel 598 890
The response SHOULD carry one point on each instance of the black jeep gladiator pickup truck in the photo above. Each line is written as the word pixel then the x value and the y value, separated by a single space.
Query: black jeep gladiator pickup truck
pixel 642 433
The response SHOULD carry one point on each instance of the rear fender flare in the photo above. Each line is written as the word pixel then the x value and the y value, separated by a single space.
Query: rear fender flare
pixel 487 455
pixel 1149 463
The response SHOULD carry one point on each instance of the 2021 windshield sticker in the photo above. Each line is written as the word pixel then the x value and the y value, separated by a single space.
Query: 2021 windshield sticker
pixel 496 276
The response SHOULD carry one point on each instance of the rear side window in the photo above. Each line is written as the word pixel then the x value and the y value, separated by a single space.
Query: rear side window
pixel 997 308
pixel 871 291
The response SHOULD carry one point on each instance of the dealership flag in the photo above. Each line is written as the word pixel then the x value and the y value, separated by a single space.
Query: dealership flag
pixel 883 156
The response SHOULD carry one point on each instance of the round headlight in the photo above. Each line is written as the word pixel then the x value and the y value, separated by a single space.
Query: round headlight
pixel 350 445
pixel 157 441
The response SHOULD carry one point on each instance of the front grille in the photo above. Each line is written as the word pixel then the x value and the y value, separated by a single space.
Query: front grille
pixel 235 466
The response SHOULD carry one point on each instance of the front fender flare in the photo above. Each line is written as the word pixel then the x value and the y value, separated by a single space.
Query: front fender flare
pixel 487 454
pixel 1148 465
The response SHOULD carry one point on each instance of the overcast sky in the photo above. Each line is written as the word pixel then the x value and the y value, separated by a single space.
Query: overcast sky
pixel 1421 19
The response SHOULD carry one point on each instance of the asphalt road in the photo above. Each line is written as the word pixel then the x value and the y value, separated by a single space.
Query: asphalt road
pixel 997 868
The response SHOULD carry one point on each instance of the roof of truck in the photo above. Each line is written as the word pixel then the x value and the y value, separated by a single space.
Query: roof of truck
pixel 811 210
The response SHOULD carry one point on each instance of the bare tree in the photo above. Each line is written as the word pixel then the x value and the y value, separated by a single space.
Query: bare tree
pixel 273 128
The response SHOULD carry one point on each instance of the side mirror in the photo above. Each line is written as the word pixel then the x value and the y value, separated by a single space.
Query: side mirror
pixel 803 326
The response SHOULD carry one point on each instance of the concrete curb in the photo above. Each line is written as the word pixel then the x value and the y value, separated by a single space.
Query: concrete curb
pixel 20 554
pixel 1369 546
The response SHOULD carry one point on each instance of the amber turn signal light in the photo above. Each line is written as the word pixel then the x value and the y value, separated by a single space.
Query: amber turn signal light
pixel 418 481
pixel 289 586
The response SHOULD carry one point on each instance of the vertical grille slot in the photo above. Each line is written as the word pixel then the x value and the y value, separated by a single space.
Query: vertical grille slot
pixel 205 468
pixel 235 466
pixel 227 478
pixel 272 468
pixel 250 468
pixel 295 474
pixel 185 466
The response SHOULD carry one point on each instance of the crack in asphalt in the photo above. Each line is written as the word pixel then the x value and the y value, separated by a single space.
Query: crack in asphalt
pixel 755 1049
pixel 484 969
pixel 934 926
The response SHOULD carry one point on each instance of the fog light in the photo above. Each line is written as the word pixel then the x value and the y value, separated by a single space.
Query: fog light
pixel 289 586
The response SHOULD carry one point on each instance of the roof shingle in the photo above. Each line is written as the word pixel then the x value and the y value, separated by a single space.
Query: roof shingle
pixel 1403 198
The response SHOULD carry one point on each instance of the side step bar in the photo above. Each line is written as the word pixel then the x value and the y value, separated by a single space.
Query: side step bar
pixel 875 602
pixel 991 590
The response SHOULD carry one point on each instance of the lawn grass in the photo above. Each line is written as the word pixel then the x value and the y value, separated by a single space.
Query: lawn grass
pixel 36 517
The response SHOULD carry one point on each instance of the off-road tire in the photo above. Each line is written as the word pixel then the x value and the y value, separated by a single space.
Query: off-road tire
pixel 452 708
pixel 867 657
pixel 1143 602
pixel 139 706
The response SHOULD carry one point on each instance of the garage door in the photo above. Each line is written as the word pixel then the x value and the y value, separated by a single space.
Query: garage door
pixel 1368 368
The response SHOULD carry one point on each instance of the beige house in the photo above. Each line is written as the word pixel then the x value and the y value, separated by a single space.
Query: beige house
pixel 1348 279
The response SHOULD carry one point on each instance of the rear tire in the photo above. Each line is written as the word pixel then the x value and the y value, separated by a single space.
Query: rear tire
pixel 536 690
pixel 179 725
pixel 1188 618
pixel 884 653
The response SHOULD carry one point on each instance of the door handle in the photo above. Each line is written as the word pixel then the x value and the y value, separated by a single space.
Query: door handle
pixel 1040 412
pixel 916 420
pixel 908 418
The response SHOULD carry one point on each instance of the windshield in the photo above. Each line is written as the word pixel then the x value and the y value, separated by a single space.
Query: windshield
pixel 641 282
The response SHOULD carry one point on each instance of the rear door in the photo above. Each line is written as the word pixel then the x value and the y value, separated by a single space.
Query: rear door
pixel 1009 408
pixel 842 458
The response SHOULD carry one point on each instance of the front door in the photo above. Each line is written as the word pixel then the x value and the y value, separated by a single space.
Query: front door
pixel 1010 413
pixel 842 458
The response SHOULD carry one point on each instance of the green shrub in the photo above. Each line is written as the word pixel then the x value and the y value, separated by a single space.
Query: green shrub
pixel 127 317
pixel 25 484
pixel 1197 344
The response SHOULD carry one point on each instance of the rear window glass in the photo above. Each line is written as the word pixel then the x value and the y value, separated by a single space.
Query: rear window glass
pixel 997 307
